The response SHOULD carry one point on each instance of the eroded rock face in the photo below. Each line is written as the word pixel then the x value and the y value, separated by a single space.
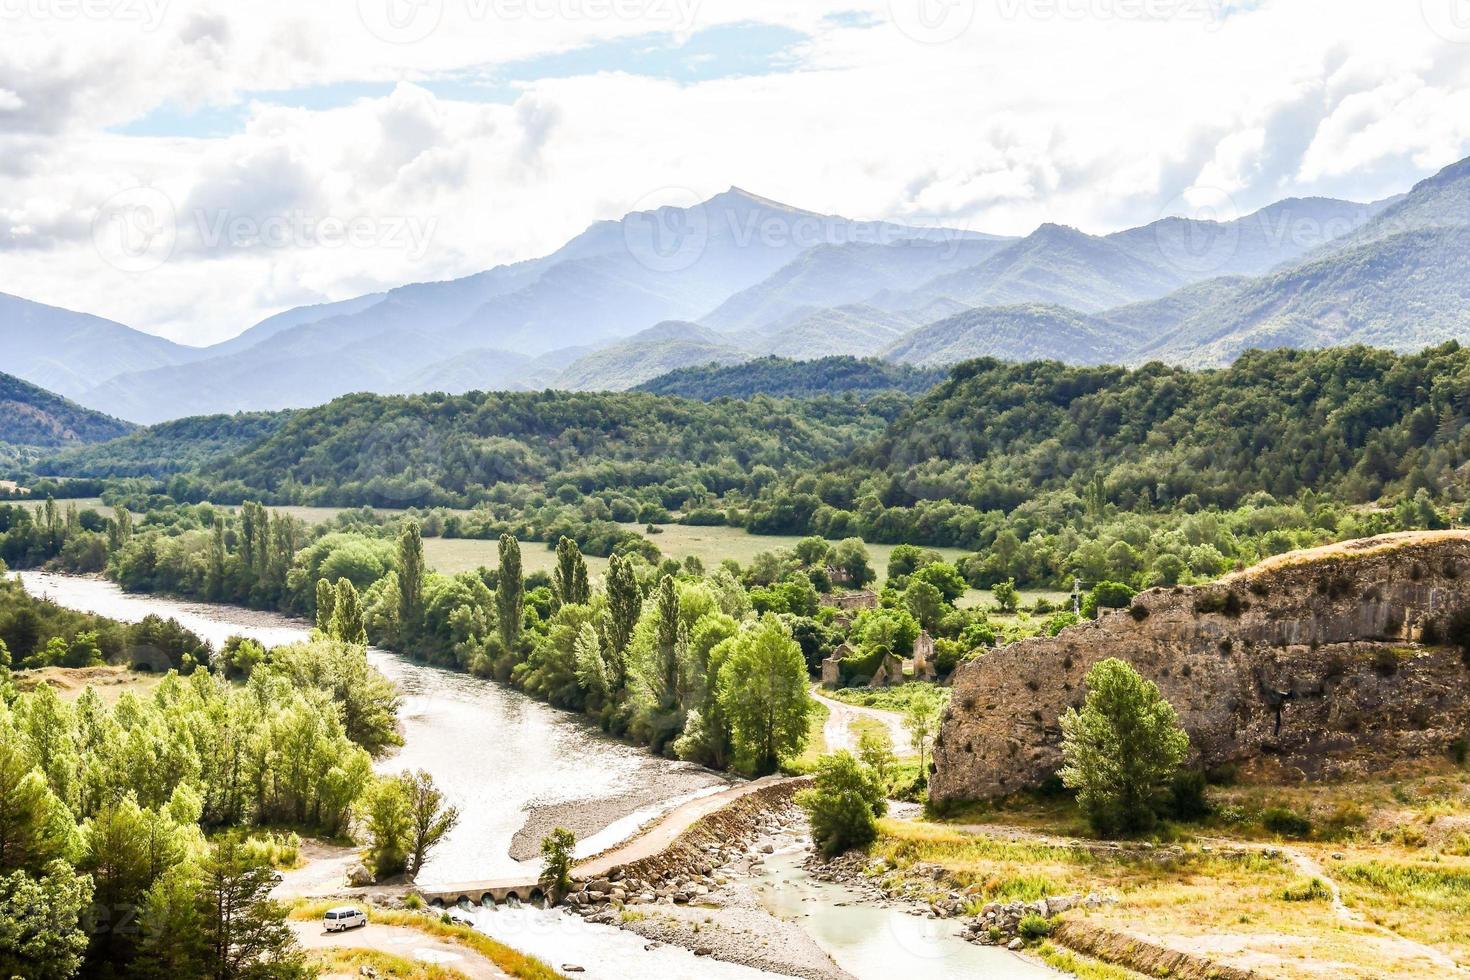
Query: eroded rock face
pixel 1321 663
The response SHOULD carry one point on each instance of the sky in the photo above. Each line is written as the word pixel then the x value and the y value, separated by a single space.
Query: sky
pixel 190 168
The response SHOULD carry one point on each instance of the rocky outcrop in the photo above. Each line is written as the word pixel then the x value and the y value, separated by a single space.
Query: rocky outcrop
pixel 1321 663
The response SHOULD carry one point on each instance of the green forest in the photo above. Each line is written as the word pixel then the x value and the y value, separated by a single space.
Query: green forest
pixel 139 836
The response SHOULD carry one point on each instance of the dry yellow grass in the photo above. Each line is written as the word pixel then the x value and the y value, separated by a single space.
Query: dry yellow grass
pixel 515 963
pixel 711 545
pixel 1251 910
pixel 1357 548
pixel 109 681
pixel 348 963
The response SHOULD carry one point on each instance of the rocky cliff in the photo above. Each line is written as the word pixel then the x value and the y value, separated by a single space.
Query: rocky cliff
pixel 1321 663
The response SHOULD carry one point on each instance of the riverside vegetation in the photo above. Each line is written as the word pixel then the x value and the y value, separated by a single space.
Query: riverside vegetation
pixel 136 839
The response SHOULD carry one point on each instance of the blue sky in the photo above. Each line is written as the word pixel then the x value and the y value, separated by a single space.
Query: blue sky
pixel 743 49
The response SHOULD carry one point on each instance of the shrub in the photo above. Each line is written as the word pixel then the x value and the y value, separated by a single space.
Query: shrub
pixel 1220 601
pixel 1187 795
pixel 843 804
pixel 1386 662
pixel 1306 890
pixel 1285 821
pixel 1033 927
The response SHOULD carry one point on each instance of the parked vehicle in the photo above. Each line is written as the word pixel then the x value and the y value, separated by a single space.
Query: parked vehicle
pixel 344 917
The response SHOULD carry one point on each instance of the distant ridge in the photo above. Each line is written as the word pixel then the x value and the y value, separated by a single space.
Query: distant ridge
pixel 33 416
pixel 781 377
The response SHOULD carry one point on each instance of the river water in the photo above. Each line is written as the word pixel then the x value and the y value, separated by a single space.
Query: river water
pixel 499 755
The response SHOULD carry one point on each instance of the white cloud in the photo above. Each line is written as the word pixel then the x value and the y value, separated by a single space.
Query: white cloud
pixel 1075 111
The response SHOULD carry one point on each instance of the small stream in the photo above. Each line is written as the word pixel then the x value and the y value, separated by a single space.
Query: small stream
pixel 878 941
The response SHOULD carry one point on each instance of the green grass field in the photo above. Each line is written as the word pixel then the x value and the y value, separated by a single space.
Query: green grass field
pixel 711 545
pixel 81 503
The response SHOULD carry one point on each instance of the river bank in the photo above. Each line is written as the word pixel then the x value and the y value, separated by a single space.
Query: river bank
pixel 510 763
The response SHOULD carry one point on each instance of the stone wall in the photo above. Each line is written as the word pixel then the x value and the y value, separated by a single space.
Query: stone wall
pixel 1316 664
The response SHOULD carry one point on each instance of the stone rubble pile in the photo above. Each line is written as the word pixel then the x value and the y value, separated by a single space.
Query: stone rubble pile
pixel 998 923
pixel 688 874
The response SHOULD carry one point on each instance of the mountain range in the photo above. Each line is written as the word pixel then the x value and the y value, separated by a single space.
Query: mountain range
pixel 740 277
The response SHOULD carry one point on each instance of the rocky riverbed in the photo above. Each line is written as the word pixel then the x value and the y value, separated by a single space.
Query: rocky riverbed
pixel 703 899
pixel 719 891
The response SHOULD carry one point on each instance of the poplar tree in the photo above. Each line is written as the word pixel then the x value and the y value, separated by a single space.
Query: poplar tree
pixel 570 578
pixel 326 599
pixel 410 580
pixel 215 586
pixel 347 619
pixel 510 595
pixel 666 643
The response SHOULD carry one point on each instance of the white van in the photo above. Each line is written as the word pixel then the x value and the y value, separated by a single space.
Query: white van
pixel 344 917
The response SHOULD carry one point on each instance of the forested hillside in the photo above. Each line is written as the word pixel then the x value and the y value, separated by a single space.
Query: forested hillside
pixel 780 377
pixel 441 449
pixel 168 448
pixel 33 416
pixel 1355 424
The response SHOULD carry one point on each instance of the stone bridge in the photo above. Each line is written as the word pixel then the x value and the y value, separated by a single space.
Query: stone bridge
pixel 485 893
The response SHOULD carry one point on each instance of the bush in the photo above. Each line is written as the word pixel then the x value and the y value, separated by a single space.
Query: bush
pixel 557 848
pixel 1033 927
pixel 843 804
pixel 1307 890
pixel 1187 796
pixel 1285 821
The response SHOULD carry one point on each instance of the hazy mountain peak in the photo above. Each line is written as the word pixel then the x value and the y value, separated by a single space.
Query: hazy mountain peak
pixel 739 197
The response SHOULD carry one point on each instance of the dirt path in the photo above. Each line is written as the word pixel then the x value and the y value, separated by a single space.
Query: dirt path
pixel 1304 863
pixel 840 734
pixel 407 943
pixel 1312 868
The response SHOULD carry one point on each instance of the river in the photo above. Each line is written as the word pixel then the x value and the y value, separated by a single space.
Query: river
pixel 501 757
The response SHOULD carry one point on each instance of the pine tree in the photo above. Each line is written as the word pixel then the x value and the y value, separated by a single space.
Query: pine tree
pixel 245 931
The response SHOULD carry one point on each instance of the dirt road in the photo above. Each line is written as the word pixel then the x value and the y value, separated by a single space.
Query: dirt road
pixel 840 733
pixel 407 943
